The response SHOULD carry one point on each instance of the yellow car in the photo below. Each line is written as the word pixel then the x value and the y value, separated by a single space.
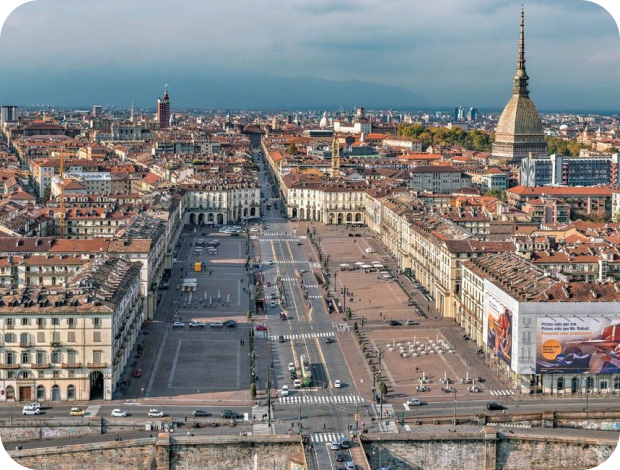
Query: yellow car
pixel 76 412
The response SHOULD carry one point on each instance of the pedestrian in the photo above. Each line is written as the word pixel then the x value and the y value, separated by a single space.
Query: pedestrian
pixel 186 419
pixel 324 427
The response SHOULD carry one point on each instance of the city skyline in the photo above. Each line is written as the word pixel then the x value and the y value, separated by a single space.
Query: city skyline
pixel 365 53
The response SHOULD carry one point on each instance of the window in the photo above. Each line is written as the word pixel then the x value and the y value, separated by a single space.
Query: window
pixel 55 337
pixel 56 357
pixel 71 374
pixel 71 322
pixel 40 357
pixel 40 392
pixel 617 383
pixel 96 322
pixel 71 337
pixel 70 392
pixel 96 336
pixel 56 374
pixel 560 385
pixel 41 337
pixel 9 323
pixel 25 357
pixel 602 385
pixel 55 321
pixel 10 357
pixel 9 338
pixel 25 321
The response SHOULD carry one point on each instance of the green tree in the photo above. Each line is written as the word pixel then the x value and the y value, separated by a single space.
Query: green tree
pixel 496 192
pixel 291 149
pixel 383 389
pixel 46 195
pixel 249 315
pixel 253 390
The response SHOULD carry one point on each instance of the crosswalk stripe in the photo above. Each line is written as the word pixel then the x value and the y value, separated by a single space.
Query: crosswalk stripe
pixel 92 410
pixel 320 437
pixel 321 334
pixel 321 399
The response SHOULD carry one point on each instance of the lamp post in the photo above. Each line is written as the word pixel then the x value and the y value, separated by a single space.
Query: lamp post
pixel 454 419
pixel 586 373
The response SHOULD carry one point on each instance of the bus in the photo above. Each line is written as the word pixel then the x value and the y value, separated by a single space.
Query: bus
pixel 306 370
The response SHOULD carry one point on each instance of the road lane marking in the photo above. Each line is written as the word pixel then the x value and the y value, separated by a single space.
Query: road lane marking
pixel 174 363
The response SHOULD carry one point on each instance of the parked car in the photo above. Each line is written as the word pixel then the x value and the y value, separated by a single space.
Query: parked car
pixel 137 374
pixel 197 324
pixel 338 384
pixel 229 414
pixel 495 406
pixel 76 412
pixel 200 412
pixel 118 413
pixel 350 466
pixel 394 323
pixel 35 404
pixel 164 285
pixel 230 324
pixel 414 401
pixel 216 324
pixel 339 456
pixel 154 413
pixel 178 324
pixel 261 328
pixel 412 323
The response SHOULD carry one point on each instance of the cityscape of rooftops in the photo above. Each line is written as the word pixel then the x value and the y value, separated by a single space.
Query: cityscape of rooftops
pixel 372 235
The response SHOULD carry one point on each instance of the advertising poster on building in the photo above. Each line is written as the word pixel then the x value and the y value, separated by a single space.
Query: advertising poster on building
pixel 499 330
pixel 577 345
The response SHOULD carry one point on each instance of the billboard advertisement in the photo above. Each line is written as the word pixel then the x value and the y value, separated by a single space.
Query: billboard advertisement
pixel 499 329
pixel 577 345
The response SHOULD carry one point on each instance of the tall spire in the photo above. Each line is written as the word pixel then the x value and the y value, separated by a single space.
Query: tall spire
pixel 521 79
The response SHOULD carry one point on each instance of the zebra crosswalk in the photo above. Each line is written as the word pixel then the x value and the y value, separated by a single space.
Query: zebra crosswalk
pixel 315 296
pixel 92 410
pixel 268 238
pixel 501 392
pixel 318 437
pixel 323 334
pixel 387 422
pixel 320 399
pixel 262 429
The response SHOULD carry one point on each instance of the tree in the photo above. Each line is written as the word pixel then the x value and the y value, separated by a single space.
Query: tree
pixel 473 140
pixel 249 314
pixel 383 389
pixel 355 326
pixel 253 390
pixel 496 192
pixel 291 149
pixel 46 195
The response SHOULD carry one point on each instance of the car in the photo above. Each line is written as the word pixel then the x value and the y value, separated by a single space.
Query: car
pixel 273 296
pixel 229 414
pixel 412 323
pixel 178 324
pixel 200 412
pixel 261 328
pixel 350 466
pixel 216 324
pixel 351 235
pixel 394 323
pixel 297 383
pixel 272 304
pixel 291 367
pixel 118 413
pixel 283 316
pixel 138 373
pixel 303 271
pixel 281 339
pixel 293 375
pixel 230 324
pixel 299 243
pixel 338 384
pixel 197 324
pixel 35 404
pixel 271 262
pixel 154 413
pixel 76 412
pixel 268 284
pixel 414 402
pixel 339 456
pixel 345 442
pixel 329 340
pixel 164 285
pixel 29 410
pixel 285 390
pixel 358 234
pixel 334 445
pixel 254 230
pixel 495 406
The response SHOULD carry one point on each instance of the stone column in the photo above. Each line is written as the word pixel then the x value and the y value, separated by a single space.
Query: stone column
pixel 163 451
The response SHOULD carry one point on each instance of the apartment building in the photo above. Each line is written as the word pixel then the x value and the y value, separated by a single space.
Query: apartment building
pixel 562 170
pixel 70 343
pixel 543 334
pixel 443 179
pixel 591 200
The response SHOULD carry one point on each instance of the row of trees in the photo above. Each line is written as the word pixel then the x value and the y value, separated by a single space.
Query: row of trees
pixel 472 140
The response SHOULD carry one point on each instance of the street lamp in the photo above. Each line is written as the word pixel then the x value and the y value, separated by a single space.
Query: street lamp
pixel 454 419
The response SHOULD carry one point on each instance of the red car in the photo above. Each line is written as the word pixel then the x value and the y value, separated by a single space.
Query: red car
pixel 268 284
pixel 261 328
pixel 137 374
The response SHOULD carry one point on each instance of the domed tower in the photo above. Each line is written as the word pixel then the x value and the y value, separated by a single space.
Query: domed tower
pixel 324 123
pixel 519 131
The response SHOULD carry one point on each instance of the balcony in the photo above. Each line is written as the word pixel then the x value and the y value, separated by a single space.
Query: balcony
pixel 9 366
pixel 56 344
pixel 43 365
pixel 71 365
pixel 97 365
pixel 25 344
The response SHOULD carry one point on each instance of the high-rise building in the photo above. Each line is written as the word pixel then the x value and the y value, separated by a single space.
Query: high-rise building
pixel 519 130
pixel 96 112
pixel 9 114
pixel 472 115
pixel 163 110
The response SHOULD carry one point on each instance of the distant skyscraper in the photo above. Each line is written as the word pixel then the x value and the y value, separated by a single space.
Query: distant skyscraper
pixel 9 114
pixel 163 110
pixel 519 130
pixel 472 115
pixel 96 112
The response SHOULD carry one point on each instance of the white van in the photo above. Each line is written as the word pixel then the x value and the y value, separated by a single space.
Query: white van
pixel 31 410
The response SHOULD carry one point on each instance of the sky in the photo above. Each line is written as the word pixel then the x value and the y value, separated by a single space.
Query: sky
pixel 308 53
